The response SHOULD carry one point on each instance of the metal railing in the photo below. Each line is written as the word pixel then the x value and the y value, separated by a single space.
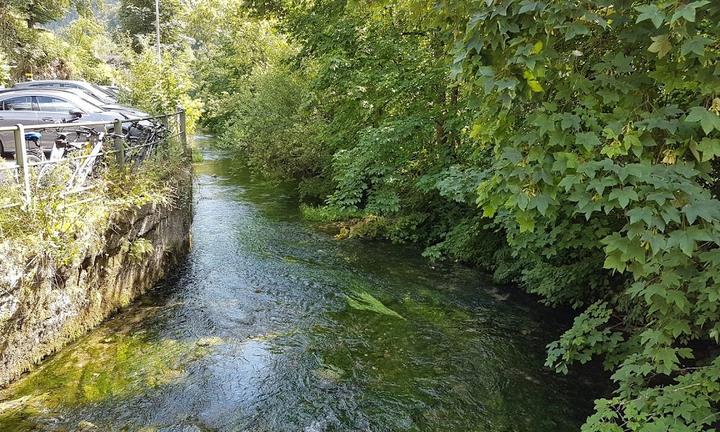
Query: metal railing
pixel 136 141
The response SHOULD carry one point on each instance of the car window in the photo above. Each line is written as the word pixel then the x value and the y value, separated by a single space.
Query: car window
pixel 52 104
pixel 21 103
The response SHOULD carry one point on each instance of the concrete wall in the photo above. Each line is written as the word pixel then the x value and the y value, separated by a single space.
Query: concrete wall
pixel 40 316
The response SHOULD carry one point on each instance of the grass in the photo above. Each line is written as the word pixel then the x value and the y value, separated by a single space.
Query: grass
pixel 65 229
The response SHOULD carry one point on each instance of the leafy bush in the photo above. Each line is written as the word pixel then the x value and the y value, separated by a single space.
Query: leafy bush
pixel 163 88
pixel 137 20
pixel 90 49
pixel 271 128
pixel 608 121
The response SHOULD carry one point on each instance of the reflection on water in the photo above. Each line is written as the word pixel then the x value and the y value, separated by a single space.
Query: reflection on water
pixel 274 326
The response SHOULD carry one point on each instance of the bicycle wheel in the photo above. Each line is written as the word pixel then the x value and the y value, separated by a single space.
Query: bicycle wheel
pixel 35 155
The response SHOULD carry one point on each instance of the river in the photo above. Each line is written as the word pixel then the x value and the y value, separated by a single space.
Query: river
pixel 273 325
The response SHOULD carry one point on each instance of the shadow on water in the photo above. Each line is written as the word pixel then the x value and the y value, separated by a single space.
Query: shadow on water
pixel 272 325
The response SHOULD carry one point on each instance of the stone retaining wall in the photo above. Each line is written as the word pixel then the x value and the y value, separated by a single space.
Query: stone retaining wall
pixel 40 316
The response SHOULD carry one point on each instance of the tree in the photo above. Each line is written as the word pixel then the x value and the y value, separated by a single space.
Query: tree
pixel 137 18
pixel 41 11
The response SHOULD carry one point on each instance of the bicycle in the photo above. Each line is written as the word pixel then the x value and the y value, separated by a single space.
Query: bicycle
pixel 34 153
pixel 79 158
pixel 144 144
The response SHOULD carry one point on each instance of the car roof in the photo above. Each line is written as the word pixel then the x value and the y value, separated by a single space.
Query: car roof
pixel 72 90
pixel 33 91
pixel 29 83
pixel 87 86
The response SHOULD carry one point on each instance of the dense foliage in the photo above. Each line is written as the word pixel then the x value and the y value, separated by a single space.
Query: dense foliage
pixel 137 20
pixel 84 44
pixel 605 123
pixel 165 87
pixel 570 147
pixel 83 48
pixel 567 146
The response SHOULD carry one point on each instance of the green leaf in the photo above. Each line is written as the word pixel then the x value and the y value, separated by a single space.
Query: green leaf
pixel 661 45
pixel 526 221
pixel 652 13
pixel 545 123
pixel 708 120
pixel 683 240
pixel 678 327
pixel 624 196
pixel 687 12
pixel 696 45
pixel 576 29
pixel 541 202
pixel 644 214
pixel 710 148
pixel 708 210
pixel 614 261
pixel 529 6
pixel 666 359
pixel 587 140
pixel 532 82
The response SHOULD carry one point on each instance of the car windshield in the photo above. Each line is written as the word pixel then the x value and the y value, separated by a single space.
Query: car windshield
pixel 78 102
pixel 90 106
pixel 102 97
pixel 103 90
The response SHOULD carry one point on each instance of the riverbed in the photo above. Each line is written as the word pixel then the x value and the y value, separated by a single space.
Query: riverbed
pixel 272 324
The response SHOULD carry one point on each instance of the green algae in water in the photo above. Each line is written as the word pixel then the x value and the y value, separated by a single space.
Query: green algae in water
pixel 104 366
pixel 362 300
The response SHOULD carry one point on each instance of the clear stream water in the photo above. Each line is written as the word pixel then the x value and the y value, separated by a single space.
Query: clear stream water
pixel 273 325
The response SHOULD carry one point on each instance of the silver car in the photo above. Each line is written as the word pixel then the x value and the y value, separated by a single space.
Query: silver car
pixel 89 88
pixel 128 111
pixel 36 107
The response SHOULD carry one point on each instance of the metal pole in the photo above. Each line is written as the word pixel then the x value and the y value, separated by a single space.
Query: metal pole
pixel 22 162
pixel 119 144
pixel 157 31
pixel 183 133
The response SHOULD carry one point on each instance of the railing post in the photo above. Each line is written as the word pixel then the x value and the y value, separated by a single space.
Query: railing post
pixel 118 143
pixel 22 162
pixel 183 133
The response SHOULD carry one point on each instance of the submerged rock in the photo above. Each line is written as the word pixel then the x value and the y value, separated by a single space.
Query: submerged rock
pixel 328 376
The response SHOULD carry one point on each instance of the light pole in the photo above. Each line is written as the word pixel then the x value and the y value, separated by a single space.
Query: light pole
pixel 157 31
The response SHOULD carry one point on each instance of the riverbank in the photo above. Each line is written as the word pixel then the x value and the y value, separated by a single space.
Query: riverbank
pixel 70 264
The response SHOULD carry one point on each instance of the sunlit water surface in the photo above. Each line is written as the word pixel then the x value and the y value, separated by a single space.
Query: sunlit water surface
pixel 273 325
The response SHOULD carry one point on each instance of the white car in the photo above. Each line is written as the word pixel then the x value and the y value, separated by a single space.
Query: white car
pixel 89 88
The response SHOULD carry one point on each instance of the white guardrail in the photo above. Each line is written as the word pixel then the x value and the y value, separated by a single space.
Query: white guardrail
pixel 89 143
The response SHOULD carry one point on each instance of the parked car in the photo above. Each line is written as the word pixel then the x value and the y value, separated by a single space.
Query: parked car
pixel 44 106
pixel 92 89
pixel 129 111
pixel 113 90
